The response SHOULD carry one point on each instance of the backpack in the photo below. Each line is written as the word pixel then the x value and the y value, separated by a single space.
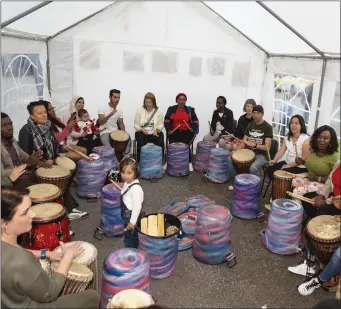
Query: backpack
pixel 189 109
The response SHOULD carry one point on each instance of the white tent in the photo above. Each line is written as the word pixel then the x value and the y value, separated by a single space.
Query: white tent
pixel 285 55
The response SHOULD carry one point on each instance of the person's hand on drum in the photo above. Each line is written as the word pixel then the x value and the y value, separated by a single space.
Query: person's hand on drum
pixel 54 255
pixel 319 201
pixel 299 161
pixel 74 249
pixel 17 172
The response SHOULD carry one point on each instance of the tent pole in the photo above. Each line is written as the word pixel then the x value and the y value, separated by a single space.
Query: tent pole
pixel 48 70
pixel 23 14
pixel 324 66
pixel 291 28
pixel 304 57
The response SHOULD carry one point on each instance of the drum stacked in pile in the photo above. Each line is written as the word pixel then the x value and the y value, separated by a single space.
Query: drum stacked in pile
pixel 218 166
pixel 202 155
pixel 246 196
pixel 107 155
pixel 151 162
pixel 178 159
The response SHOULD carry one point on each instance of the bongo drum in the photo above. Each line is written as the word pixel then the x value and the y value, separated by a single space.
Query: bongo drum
pixel 131 298
pixel 78 278
pixel 119 140
pixel 325 236
pixel 44 193
pixel 55 175
pixel 281 184
pixel 87 258
pixel 49 226
pixel 242 160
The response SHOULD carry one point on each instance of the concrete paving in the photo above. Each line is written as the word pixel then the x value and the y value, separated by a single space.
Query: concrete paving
pixel 259 278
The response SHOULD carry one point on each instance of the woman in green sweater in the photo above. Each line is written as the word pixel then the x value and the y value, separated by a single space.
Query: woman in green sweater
pixel 24 283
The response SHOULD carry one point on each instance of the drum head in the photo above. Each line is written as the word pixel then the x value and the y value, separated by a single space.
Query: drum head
pixel 54 172
pixel 131 298
pixel 243 155
pixel 286 204
pixel 43 192
pixel 324 227
pixel 77 270
pixel 119 135
pixel 47 211
pixel 66 163
pixel 88 255
pixel 282 174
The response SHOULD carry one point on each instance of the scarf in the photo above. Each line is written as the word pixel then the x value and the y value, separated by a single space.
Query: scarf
pixel 43 138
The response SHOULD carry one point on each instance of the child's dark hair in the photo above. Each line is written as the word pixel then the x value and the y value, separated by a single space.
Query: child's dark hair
pixel 133 163
pixel 82 112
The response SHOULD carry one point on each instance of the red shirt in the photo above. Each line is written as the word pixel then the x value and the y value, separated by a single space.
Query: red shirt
pixel 178 119
pixel 336 179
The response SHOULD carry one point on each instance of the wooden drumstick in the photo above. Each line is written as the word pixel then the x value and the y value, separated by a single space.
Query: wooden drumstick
pixel 300 197
pixel 186 124
pixel 176 128
pixel 295 145
pixel 267 149
pixel 78 152
pixel 117 186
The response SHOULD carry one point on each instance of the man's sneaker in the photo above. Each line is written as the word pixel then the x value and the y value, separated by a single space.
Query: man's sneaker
pixel 309 287
pixel 231 188
pixel 191 167
pixel 77 214
pixel 302 269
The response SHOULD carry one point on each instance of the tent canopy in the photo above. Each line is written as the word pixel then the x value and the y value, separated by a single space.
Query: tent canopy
pixel 317 22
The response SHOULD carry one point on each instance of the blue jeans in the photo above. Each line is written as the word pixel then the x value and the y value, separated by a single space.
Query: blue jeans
pixel 255 168
pixel 333 268
pixel 130 238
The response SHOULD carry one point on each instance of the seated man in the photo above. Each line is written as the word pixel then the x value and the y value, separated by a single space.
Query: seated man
pixel 222 123
pixel 258 135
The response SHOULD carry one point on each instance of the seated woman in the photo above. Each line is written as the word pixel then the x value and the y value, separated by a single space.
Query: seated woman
pixel 320 153
pixel 326 202
pixel 245 119
pixel 291 148
pixel 76 104
pixel 24 283
pixel 181 122
pixel 62 131
pixel 148 124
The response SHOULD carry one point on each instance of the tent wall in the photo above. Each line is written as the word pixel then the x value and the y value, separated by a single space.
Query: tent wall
pixel 23 76
pixel 149 46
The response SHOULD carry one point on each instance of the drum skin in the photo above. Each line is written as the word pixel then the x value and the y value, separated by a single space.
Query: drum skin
pixel 119 141
pixel 242 160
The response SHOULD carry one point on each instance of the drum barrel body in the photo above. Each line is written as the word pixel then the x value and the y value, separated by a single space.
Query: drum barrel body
pixel 61 182
pixel 178 159
pixel 280 186
pixel 241 161
pixel 151 162
pixel 199 201
pixel 162 251
pixel 202 155
pixel 47 234
pixel 212 237
pixel 107 155
pixel 111 222
pixel 124 269
pixel 218 166
pixel 119 145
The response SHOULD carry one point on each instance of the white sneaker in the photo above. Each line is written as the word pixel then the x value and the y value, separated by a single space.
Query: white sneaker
pixel 309 287
pixel 191 167
pixel 165 167
pixel 302 269
pixel 77 214
pixel 231 188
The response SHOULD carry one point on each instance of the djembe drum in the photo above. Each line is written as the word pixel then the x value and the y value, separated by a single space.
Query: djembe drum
pixel 45 193
pixel 242 160
pixel 119 140
pixel 281 184
pixel 131 298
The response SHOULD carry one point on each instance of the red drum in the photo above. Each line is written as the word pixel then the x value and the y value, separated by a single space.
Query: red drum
pixel 44 193
pixel 49 226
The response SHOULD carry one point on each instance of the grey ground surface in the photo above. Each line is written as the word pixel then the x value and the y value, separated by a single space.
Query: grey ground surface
pixel 259 278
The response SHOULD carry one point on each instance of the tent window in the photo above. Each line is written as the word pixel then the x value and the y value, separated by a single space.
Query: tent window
pixel 240 74
pixel 335 114
pixel 164 62
pixel 195 66
pixel 216 66
pixel 133 61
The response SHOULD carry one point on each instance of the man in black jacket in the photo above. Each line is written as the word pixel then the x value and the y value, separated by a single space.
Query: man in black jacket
pixel 222 123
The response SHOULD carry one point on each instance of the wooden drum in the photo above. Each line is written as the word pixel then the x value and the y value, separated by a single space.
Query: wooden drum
pixel 242 159
pixel 78 278
pixel 281 184
pixel 55 175
pixel 44 193
pixel 325 236
pixel 119 140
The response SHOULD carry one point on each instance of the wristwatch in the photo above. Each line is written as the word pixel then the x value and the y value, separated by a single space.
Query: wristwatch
pixel 43 254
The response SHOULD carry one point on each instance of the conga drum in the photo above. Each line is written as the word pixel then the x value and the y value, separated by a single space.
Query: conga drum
pixel 281 184
pixel 45 193
pixel 49 227
pixel 325 236
pixel 131 298
pixel 55 175
pixel 119 140
pixel 77 280
pixel 242 160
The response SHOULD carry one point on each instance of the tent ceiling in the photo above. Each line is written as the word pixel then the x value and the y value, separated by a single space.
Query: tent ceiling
pixel 319 22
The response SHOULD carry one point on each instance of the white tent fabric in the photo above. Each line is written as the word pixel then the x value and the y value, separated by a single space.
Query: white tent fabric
pixel 171 47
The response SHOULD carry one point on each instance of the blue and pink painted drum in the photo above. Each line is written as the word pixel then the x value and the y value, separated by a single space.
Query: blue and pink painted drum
pixel 283 230
pixel 246 196
pixel 218 166
pixel 107 154
pixel 202 155
pixel 124 269
pixel 162 251
pixel 111 223
pixel 174 208
pixel 151 162
pixel 198 201
pixel 91 178
pixel 178 159
pixel 212 237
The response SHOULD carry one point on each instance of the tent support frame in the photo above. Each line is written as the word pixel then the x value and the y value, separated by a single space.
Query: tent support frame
pixel 323 74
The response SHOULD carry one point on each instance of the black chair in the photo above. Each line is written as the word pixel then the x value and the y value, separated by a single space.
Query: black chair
pixel 273 150
pixel 234 128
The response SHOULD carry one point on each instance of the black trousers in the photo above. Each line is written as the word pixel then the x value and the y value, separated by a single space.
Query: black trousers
pixel 277 166
pixel 143 139
pixel 185 137
pixel 89 142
